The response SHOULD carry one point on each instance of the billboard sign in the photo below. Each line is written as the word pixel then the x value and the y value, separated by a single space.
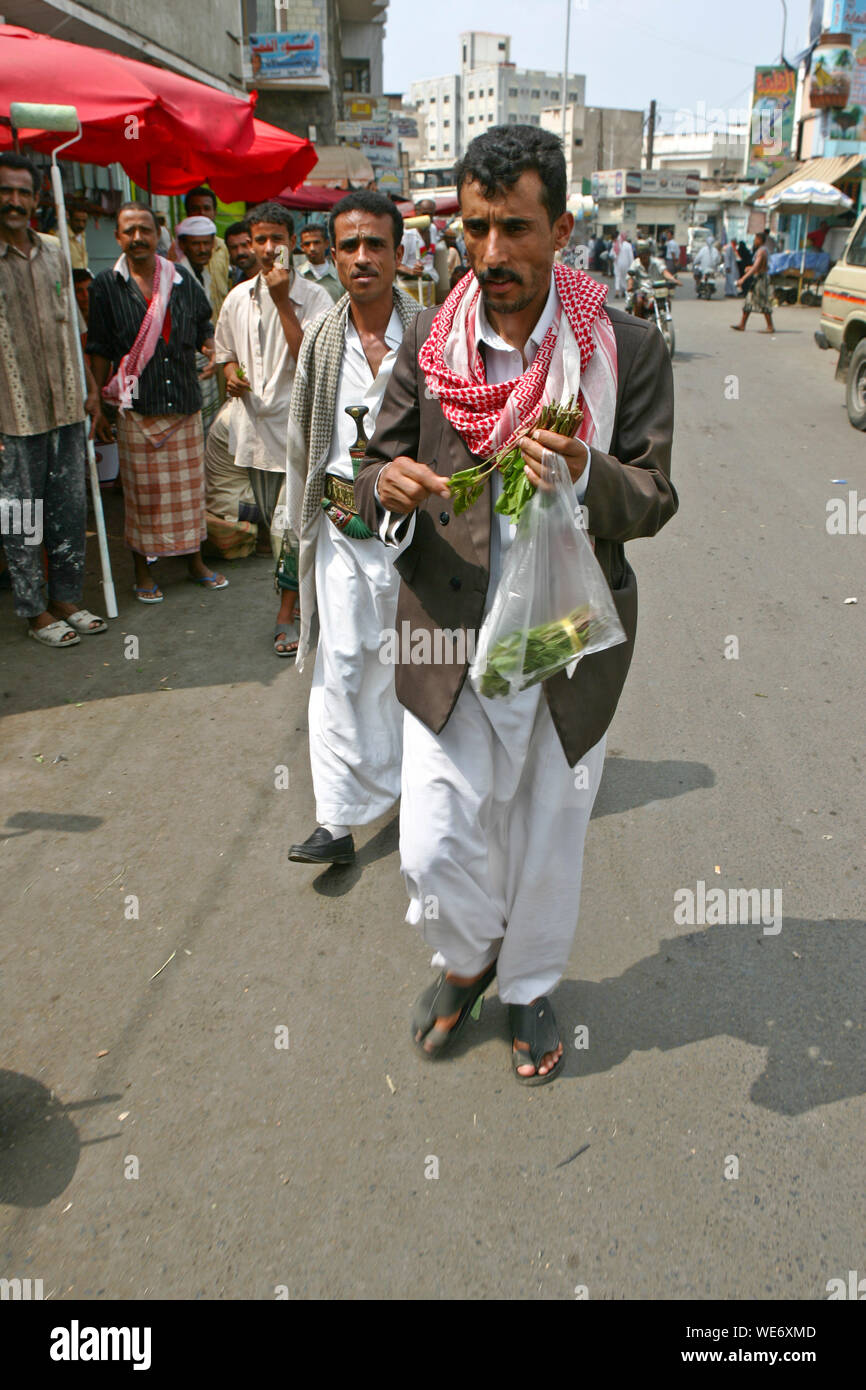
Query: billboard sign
pixel 294 58
pixel 846 128
pixel 772 125
pixel 645 183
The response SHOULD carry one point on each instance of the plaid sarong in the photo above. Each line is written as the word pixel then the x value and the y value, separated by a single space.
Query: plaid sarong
pixel 162 470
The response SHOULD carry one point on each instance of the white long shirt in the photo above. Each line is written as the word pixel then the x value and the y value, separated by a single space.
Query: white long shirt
pixel 249 332
pixel 358 386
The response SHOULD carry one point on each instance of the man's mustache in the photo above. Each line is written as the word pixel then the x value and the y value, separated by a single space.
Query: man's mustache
pixel 13 207
pixel 498 277
pixel 364 271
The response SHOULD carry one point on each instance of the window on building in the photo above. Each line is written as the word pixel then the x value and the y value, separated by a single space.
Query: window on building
pixel 446 121
pixel 535 120
pixel 464 53
pixel 471 96
pixel 501 47
pixel 572 96
pixel 446 147
pixel 490 91
pixel 447 97
pixel 512 119
pixel 554 96
pixel 356 74
pixel 471 120
pixel 512 91
pixel 535 94
pixel 578 140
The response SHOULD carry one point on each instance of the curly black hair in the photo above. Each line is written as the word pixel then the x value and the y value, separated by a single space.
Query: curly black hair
pixel 496 159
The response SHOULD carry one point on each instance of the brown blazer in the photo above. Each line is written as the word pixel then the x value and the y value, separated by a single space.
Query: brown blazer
pixel 445 569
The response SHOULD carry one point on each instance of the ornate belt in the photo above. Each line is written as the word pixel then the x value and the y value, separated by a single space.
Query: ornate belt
pixel 339 507
pixel 339 491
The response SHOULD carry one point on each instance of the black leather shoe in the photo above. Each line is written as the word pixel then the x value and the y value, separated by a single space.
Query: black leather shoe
pixel 322 848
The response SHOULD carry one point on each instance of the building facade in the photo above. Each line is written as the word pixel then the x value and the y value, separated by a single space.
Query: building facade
pixel 488 90
pixel 596 137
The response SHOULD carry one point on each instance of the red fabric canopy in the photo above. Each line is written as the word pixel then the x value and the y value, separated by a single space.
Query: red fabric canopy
pixel 167 131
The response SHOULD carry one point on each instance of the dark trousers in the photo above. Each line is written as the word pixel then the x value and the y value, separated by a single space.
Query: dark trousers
pixel 266 488
pixel 43 501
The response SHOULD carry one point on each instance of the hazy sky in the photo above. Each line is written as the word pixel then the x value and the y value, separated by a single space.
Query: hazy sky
pixel 679 51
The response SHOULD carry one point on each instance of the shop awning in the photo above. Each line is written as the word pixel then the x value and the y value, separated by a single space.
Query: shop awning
pixel 832 170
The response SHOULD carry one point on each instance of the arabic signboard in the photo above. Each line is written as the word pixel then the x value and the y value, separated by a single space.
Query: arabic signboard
pixel 645 183
pixel 294 58
pixel 379 142
pixel 772 124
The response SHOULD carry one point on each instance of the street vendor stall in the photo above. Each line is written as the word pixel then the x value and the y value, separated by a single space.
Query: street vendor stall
pixel 809 197
pixel 791 271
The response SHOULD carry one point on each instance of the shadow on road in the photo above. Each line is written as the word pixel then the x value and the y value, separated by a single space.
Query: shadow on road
pixel 341 878
pixel 39 1144
pixel 798 995
pixel 631 782
pixel 26 822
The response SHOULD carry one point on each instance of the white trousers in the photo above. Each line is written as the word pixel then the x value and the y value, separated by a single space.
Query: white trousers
pixel 620 276
pixel 492 826
pixel 356 723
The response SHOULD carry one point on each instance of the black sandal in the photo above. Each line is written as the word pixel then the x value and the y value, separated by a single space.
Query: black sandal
pixel 534 1024
pixel 440 1001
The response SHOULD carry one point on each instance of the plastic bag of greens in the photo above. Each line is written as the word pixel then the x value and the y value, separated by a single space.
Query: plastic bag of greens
pixel 553 605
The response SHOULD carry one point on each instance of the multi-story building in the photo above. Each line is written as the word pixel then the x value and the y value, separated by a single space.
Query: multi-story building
pixel 489 90
pixel 717 156
pixel 596 137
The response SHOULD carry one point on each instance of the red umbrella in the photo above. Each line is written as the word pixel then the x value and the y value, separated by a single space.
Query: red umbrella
pixel 167 131
pixel 254 169
pixel 311 199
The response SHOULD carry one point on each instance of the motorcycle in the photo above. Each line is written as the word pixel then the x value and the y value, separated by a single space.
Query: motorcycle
pixel 705 283
pixel 661 312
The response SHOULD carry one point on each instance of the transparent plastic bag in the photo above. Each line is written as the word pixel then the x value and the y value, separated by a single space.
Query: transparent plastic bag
pixel 553 605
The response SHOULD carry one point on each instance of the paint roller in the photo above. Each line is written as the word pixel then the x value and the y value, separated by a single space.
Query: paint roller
pixel 31 115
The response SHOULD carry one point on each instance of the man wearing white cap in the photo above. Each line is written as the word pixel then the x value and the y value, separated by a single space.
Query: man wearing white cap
pixel 195 241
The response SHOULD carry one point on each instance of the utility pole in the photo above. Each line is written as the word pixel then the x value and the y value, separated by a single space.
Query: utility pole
pixel 565 67
pixel 650 138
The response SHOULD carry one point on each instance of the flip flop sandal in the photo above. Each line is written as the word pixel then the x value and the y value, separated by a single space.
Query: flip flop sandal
pixel 82 619
pixel 534 1024
pixel 440 1001
pixel 53 634
pixel 150 595
pixel 210 581
pixel 291 636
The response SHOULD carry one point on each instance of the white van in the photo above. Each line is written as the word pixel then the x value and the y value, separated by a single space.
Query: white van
pixel 843 321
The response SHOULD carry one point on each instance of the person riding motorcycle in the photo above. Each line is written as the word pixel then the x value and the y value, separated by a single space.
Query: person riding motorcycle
pixel 643 270
pixel 706 262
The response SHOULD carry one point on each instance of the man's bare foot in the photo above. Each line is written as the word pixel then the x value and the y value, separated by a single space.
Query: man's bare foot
pixel 548 1061
pixel 445 1025
pixel 63 610
pixel 46 618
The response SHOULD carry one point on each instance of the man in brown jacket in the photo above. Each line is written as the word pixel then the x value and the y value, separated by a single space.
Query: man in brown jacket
pixel 496 795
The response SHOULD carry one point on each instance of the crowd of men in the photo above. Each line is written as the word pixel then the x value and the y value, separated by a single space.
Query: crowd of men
pixel 341 408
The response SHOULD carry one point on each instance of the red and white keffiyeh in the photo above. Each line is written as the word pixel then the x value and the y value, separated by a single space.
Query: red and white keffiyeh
pixel 489 415
pixel 123 386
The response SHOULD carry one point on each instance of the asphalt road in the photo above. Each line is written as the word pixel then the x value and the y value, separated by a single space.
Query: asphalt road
pixel 156 1143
